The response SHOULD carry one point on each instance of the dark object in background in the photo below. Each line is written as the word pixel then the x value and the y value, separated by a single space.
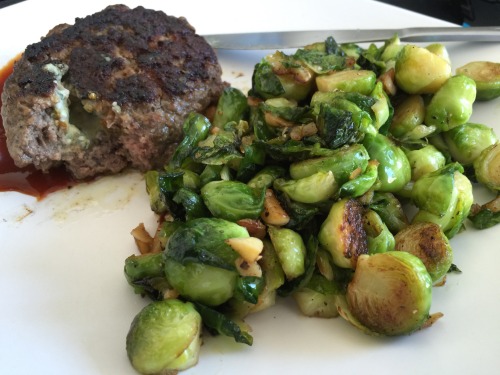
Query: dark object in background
pixel 460 12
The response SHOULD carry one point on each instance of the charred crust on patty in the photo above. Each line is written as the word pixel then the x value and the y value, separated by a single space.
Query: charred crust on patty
pixel 136 73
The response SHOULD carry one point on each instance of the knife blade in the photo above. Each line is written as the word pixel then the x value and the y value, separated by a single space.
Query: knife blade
pixel 297 39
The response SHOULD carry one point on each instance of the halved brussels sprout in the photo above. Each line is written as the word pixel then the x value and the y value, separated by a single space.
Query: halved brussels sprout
pixel 390 293
pixel 165 336
pixel 342 233
pixel 486 74
pixel 427 242
pixel 343 162
pixel 487 167
pixel 361 81
pixel 290 249
pixel 315 188
pixel 420 71
pixel 233 200
pixel 379 238
pixel 409 114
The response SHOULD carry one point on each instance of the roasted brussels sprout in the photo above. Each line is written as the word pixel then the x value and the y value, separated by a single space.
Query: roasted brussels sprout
pixel 407 122
pixel 487 167
pixel 465 142
pixel 318 298
pixel 280 75
pixel 231 107
pixel 443 197
pixel 361 81
pixel 199 264
pixel 290 249
pixel 342 163
pixel 394 170
pixel 233 200
pixel 195 128
pixel 315 188
pixel 165 336
pixel 342 233
pixel 379 238
pixel 424 160
pixel 390 293
pixel 452 104
pixel 420 71
pixel 486 74
pixel 427 242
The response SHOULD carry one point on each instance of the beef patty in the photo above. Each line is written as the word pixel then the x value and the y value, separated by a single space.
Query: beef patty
pixel 109 92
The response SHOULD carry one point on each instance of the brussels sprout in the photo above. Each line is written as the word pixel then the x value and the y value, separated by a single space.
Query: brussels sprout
pixel 394 169
pixel 439 50
pixel 407 122
pixel 486 215
pixel 390 210
pixel 359 185
pixel 209 285
pixel 452 104
pixel 390 293
pixel 465 142
pixel 443 197
pixel 382 109
pixel 271 266
pixel 199 264
pixel 315 188
pixel 191 202
pixel 290 249
pixel 424 160
pixel 318 298
pixel 342 233
pixel 343 162
pixel 231 107
pixel 487 167
pixel 195 128
pixel 145 273
pixel 486 74
pixel 419 71
pixel 266 176
pixel 427 242
pixel 233 200
pixel 280 75
pixel 361 81
pixel 164 336
pixel 379 238
pixel 391 48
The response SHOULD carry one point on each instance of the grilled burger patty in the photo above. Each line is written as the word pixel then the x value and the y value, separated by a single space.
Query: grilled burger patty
pixel 109 92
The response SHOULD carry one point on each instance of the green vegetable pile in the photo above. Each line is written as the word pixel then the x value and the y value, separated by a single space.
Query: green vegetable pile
pixel 297 189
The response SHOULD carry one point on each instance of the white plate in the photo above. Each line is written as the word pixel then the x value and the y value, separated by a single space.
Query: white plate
pixel 66 307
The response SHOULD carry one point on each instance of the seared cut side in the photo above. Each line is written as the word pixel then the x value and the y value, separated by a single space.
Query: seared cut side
pixel 109 92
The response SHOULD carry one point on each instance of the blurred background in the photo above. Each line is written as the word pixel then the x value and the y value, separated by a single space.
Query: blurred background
pixel 461 12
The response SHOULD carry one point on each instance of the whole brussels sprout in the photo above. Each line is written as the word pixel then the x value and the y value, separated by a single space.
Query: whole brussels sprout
pixel 164 336
pixel 452 104
pixel 390 293
pixel 419 71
